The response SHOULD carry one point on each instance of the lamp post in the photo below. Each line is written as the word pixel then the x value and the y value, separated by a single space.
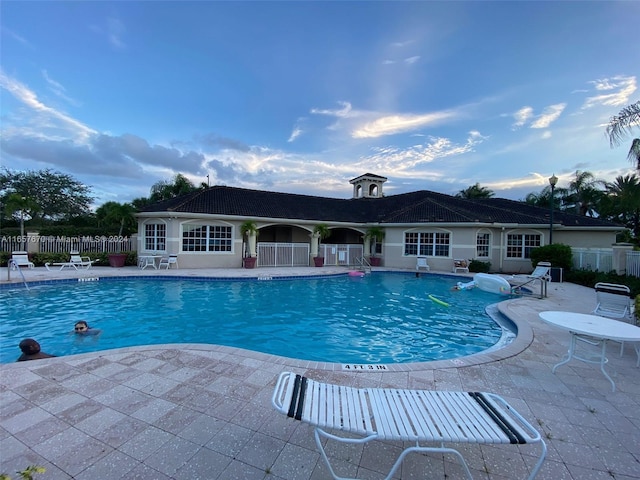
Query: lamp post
pixel 552 181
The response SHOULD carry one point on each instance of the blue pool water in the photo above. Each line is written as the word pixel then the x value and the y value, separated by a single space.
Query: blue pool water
pixel 381 318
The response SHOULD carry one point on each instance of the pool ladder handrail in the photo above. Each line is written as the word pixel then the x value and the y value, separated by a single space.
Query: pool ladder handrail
pixel 13 265
pixel 363 264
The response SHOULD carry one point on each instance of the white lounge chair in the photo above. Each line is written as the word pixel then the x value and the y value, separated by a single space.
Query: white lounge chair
pixel 542 274
pixel 421 264
pixel 166 262
pixel 80 262
pixel 76 261
pixel 403 415
pixel 460 265
pixel 20 259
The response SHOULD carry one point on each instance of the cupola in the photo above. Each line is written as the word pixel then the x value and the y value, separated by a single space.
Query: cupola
pixel 368 186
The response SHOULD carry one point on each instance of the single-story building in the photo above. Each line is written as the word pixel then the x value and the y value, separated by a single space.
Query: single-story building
pixel 204 228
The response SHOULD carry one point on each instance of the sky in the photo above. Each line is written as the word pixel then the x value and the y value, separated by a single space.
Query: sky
pixel 301 97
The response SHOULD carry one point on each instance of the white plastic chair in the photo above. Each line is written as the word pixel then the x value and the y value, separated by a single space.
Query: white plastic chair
pixel 421 264
pixel 613 301
pixel 460 265
pixel 166 262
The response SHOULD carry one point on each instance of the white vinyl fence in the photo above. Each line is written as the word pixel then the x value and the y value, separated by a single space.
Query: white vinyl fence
pixel 273 254
pixel 601 260
pixel 633 264
pixel 593 259
pixel 339 254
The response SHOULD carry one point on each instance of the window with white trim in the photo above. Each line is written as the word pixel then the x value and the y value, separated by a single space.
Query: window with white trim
pixel 206 238
pixel 519 245
pixel 483 243
pixel 155 237
pixel 432 244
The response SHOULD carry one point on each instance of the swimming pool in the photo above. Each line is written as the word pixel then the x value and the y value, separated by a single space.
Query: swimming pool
pixel 381 318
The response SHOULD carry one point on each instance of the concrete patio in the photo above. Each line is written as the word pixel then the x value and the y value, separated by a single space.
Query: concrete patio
pixel 204 412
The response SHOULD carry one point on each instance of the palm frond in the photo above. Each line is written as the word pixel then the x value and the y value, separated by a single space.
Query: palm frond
pixel 634 153
pixel 621 124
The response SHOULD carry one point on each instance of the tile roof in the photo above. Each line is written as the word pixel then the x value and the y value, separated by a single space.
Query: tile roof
pixel 422 206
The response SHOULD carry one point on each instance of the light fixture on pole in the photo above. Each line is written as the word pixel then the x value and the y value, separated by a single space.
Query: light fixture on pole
pixel 552 181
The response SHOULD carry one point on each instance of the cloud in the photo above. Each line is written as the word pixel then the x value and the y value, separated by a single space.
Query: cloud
pixel 213 140
pixel 113 31
pixel 412 60
pixel 297 131
pixel 522 116
pixel 28 98
pixel 621 89
pixel 549 115
pixel 58 89
pixel 399 123
pixel 398 162
pixel 344 112
pixel 16 37
pixel 402 44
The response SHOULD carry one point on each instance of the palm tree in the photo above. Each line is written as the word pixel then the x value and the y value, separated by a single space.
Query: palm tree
pixel 377 235
pixel 583 196
pixel 622 202
pixel 620 125
pixel 475 191
pixel 321 231
pixel 543 198
pixel 250 230
pixel 25 205
pixel 114 213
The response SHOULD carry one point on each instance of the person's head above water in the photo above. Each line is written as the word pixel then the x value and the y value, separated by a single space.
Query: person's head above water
pixel 29 346
pixel 31 350
pixel 81 326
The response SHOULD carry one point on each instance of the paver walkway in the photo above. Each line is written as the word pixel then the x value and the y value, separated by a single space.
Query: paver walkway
pixel 203 412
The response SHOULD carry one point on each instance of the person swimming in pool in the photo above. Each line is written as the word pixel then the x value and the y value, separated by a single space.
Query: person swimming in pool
pixel 31 350
pixel 83 328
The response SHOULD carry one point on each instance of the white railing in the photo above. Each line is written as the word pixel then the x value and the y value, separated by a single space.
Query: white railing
pixel 593 259
pixel 275 254
pixel 633 264
pixel 59 244
pixel 340 254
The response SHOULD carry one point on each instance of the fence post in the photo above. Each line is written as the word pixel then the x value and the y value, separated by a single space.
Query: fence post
pixel 619 260
pixel 33 242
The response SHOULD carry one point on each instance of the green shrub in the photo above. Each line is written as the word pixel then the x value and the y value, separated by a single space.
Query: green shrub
pixel 476 266
pixel 589 279
pixel 557 253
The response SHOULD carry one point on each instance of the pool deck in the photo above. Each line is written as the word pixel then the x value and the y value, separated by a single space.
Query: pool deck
pixel 190 412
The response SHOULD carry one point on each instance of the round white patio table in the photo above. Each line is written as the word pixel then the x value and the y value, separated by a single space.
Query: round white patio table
pixel 592 329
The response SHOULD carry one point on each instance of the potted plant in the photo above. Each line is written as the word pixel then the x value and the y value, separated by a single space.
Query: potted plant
pixel 320 232
pixel 250 230
pixel 112 214
pixel 377 235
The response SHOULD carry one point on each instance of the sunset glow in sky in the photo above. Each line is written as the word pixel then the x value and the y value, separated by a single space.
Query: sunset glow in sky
pixel 301 97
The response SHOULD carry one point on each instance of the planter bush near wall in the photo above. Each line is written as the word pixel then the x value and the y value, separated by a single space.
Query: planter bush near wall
pixel 558 254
